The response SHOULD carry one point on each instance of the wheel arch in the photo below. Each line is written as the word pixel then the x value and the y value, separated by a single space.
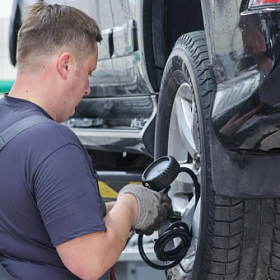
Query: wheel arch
pixel 164 21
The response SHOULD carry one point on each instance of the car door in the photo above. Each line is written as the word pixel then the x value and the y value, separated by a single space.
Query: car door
pixel 128 55
pixel 123 41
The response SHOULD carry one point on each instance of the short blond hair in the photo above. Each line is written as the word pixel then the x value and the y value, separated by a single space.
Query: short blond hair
pixel 50 29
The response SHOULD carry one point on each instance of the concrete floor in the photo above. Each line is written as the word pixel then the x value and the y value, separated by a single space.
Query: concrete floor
pixel 137 271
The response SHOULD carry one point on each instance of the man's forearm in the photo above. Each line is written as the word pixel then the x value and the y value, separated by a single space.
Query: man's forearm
pixel 91 255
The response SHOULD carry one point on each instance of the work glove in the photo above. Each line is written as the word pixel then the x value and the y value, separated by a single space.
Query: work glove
pixel 153 208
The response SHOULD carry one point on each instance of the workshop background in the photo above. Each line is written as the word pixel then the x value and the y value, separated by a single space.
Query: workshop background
pixel 130 265
pixel 7 70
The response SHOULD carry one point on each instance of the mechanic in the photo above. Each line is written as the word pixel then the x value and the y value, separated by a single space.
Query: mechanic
pixel 53 221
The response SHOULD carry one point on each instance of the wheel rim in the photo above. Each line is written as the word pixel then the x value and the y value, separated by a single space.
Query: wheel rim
pixel 184 145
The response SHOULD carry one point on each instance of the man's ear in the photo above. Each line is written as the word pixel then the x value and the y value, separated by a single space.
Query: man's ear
pixel 63 64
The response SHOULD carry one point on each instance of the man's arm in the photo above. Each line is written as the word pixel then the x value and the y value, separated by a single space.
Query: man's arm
pixel 91 255
pixel 88 243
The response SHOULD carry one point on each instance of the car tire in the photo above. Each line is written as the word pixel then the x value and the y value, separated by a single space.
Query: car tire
pixel 238 238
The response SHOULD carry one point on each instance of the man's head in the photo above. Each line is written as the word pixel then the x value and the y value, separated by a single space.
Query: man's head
pixel 49 30
pixel 56 52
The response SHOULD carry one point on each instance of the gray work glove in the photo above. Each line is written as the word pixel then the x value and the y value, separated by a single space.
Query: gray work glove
pixel 153 208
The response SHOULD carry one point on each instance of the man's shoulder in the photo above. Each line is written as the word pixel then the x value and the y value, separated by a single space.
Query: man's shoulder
pixel 53 132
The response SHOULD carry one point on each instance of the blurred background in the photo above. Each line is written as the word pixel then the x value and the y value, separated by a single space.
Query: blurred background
pixel 7 70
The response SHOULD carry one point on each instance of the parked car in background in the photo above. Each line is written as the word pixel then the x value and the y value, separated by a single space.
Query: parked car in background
pixel 198 80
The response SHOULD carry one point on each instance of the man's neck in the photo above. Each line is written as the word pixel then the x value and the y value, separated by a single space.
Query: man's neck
pixel 31 89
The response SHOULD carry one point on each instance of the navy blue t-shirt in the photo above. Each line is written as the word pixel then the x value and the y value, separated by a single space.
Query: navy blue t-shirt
pixel 48 195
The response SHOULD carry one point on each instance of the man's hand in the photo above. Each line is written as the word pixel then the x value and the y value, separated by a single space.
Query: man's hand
pixel 153 208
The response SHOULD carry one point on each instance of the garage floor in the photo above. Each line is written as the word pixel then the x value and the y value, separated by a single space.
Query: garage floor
pixel 130 265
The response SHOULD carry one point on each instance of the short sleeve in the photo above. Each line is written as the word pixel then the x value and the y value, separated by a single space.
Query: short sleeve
pixel 67 195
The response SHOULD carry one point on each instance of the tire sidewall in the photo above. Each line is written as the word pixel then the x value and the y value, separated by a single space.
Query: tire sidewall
pixel 173 77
